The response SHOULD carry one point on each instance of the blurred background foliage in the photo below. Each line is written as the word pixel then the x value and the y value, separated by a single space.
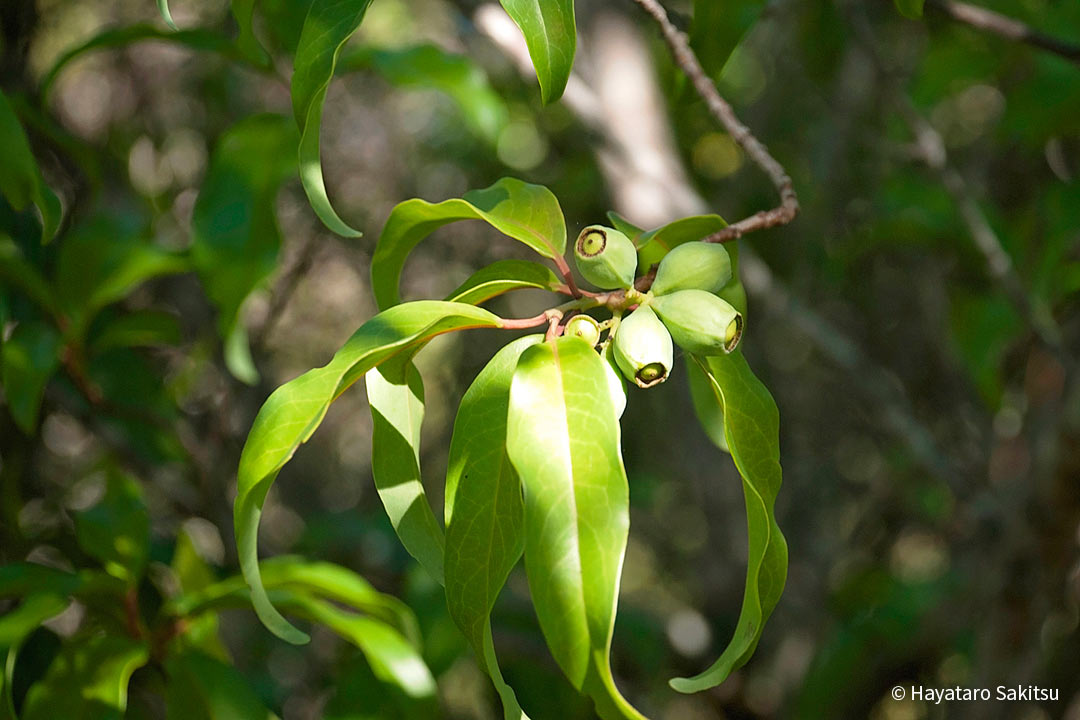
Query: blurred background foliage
pixel 918 326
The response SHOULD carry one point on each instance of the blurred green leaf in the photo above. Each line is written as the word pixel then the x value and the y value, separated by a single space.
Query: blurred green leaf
pixel 525 212
pixel 624 226
pixel 18 273
pixel 563 439
pixel 20 177
pixel 116 531
pixel 24 578
pixel 293 412
pixel 551 36
pixel 329 24
pixel 484 513
pixel 88 680
pixel 752 431
pixel 910 8
pixel 396 397
pixel 35 608
pixel 28 358
pixel 243 12
pixel 503 276
pixel 719 27
pixel 429 66
pixel 235 236
pixel 163 8
pixel 142 328
pixel 360 695
pixel 194 573
pixel 201 687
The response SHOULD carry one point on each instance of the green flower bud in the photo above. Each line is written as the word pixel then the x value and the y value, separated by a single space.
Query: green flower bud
pixel 615 381
pixel 642 348
pixel 584 327
pixel 693 266
pixel 700 322
pixel 605 257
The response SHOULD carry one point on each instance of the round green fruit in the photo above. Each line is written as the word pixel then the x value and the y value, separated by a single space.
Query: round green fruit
pixel 584 327
pixel 643 349
pixel 693 266
pixel 700 322
pixel 605 257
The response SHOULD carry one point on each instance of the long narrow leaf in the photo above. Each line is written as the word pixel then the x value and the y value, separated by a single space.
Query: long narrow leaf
pixel 21 181
pixel 551 36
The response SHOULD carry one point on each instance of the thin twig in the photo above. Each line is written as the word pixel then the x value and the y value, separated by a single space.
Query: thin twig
pixel 684 56
pixel 1005 27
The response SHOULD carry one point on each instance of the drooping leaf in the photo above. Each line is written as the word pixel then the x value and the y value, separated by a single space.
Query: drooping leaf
pixel 88 680
pixel 28 360
pixel 116 531
pixel 235 236
pixel 396 397
pixel 751 428
pixel 329 24
pixel 551 36
pixel 654 244
pixel 163 8
pixel 194 39
pixel 912 9
pixel 201 687
pixel 718 28
pixel 563 439
pixel 20 177
pixel 293 412
pixel 429 66
pixel 503 276
pixel 484 513
pixel 525 212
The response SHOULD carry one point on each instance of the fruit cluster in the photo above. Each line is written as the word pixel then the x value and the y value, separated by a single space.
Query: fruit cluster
pixel 681 305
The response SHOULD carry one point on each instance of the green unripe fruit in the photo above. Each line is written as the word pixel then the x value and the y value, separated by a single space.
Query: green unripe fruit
pixel 700 322
pixel 693 266
pixel 605 257
pixel 615 381
pixel 584 327
pixel 643 349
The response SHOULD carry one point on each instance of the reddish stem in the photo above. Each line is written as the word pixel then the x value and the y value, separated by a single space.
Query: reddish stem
pixel 564 270
pixel 523 323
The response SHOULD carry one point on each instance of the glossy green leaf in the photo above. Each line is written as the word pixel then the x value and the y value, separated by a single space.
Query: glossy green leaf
pixel 195 39
pixel 293 412
pixel 396 397
pixel 116 531
pixel 624 226
pixel 718 28
pixel 201 687
pixel 16 272
pixel 563 439
pixel 503 276
pixel 329 24
pixel 429 66
pixel 710 413
pixel 88 680
pixel 143 328
pixel 551 36
pixel 21 181
pixel 163 8
pixel 525 212
pixel 654 244
pixel 910 8
pixel 485 532
pixel 752 429
pixel 28 360
pixel 235 235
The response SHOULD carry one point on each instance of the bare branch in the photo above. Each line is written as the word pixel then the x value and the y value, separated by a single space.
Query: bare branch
pixel 685 58
pixel 1005 27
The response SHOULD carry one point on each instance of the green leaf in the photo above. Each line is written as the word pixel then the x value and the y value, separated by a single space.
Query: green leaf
pixel 360 695
pixel 563 440
pixel 654 244
pixel 710 413
pixel 429 66
pixel 28 358
pixel 910 8
pixel 484 512
pixel 329 24
pixel 293 412
pixel 88 680
pixel 525 212
pixel 116 531
pixel 198 40
pixel 719 27
pixel 243 12
pixel 396 397
pixel 18 273
pixel 752 430
pixel 163 8
pixel 201 687
pixel 20 177
pixel 143 328
pixel 503 276
pixel 16 624
pixel 25 578
pixel 624 226
pixel 551 36
pixel 235 235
